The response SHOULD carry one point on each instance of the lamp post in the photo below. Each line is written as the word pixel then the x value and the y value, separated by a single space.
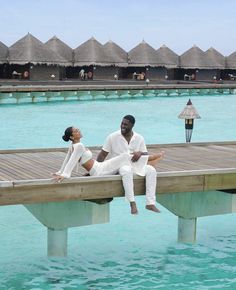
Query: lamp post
pixel 189 113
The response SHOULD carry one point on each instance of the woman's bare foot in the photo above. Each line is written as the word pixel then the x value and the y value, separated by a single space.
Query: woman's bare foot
pixel 154 158
pixel 133 207
pixel 152 207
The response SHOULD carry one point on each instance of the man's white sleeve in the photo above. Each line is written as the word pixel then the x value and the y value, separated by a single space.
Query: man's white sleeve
pixel 142 145
pixel 107 146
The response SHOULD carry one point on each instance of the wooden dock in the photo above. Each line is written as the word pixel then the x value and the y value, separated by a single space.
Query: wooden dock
pixel 192 181
pixel 25 175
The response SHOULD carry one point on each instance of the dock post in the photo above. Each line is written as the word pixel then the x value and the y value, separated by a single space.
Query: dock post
pixel 57 242
pixel 187 230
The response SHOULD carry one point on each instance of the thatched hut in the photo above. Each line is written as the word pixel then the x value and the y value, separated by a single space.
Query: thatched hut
pixel 32 60
pixel 168 62
pixel 215 62
pixel 230 72
pixel 140 59
pixel 3 59
pixel 91 58
pixel 118 58
pixel 192 64
pixel 65 51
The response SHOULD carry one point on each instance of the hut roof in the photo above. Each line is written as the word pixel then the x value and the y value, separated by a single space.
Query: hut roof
pixel 91 52
pixel 142 55
pixel 193 58
pixel 61 48
pixel 214 59
pixel 31 50
pixel 116 54
pixel 167 58
pixel 3 52
pixel 231 61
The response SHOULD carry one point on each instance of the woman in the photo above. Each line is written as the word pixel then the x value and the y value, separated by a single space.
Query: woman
pixel 77 153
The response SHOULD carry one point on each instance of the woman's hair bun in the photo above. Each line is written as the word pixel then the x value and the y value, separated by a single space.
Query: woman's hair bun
pixel 67 134
pixel 65 138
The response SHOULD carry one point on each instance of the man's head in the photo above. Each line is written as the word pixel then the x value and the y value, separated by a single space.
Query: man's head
pixel 127 124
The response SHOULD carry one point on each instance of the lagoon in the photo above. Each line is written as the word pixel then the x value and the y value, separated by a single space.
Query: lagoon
pixel 130 252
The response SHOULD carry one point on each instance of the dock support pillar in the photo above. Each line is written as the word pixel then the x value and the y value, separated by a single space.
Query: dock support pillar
pixel 57 242
pixel 187 230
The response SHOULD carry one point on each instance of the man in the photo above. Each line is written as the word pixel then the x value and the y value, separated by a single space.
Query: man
pixel 126 140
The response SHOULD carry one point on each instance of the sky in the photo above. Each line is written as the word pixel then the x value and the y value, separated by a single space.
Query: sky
pixel 179 24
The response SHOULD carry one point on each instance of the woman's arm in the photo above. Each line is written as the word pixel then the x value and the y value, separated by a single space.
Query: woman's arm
pixel 78 150
pixel 65 161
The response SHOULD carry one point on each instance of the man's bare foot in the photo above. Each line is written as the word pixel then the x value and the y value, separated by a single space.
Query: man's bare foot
pixel 152 207
pixel 133 207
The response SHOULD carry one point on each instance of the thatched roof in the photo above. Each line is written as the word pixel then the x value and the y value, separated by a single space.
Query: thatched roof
pixel 3 52
pixel 214 59
pixel 193 58
pixel 167 58
pixel 61 48
pixel 117 55
pixel 142 55
pixel 31 50
pixel 231 61
pixel 91 52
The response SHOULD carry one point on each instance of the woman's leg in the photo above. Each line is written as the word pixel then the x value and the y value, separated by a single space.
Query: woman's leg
pixel 112 166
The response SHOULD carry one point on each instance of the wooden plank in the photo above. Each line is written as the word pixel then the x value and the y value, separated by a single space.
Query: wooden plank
pixel 220 181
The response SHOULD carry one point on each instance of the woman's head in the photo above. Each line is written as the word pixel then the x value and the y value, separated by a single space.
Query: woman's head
pixel 72 134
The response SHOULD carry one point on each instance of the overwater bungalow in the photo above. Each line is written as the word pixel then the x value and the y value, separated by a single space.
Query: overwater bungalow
pixel 30 59
pixel 91 58
pixel 230 72
pixel 65 51
pixel 193 65
pixel 141 61
pixel 167 61
pixel 118 58
pixel 215 62
pixel 3 59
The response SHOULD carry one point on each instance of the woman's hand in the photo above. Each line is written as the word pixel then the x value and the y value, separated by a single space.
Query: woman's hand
pixel 57 178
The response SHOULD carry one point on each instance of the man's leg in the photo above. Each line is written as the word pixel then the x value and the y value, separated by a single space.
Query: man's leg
pixel 151 180
pixel 127 178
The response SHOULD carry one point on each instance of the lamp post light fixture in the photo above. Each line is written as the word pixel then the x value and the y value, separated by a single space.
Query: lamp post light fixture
pixel 189 113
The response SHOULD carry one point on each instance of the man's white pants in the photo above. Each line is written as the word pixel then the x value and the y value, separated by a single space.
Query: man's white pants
pixel 127 177
pixel 121 164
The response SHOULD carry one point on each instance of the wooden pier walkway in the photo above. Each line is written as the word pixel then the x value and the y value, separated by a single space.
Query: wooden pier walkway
pixel 57 86
pixel 25 175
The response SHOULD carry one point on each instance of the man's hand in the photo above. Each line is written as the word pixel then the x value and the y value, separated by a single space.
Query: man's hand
pixel 136 156
pixel 102 155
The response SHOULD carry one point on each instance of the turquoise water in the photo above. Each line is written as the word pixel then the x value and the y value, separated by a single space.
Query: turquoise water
pixel 130 252
pixel 41 125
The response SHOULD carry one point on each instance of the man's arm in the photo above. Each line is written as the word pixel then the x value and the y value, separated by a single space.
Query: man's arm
pixel 102 156
pixel 141 149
